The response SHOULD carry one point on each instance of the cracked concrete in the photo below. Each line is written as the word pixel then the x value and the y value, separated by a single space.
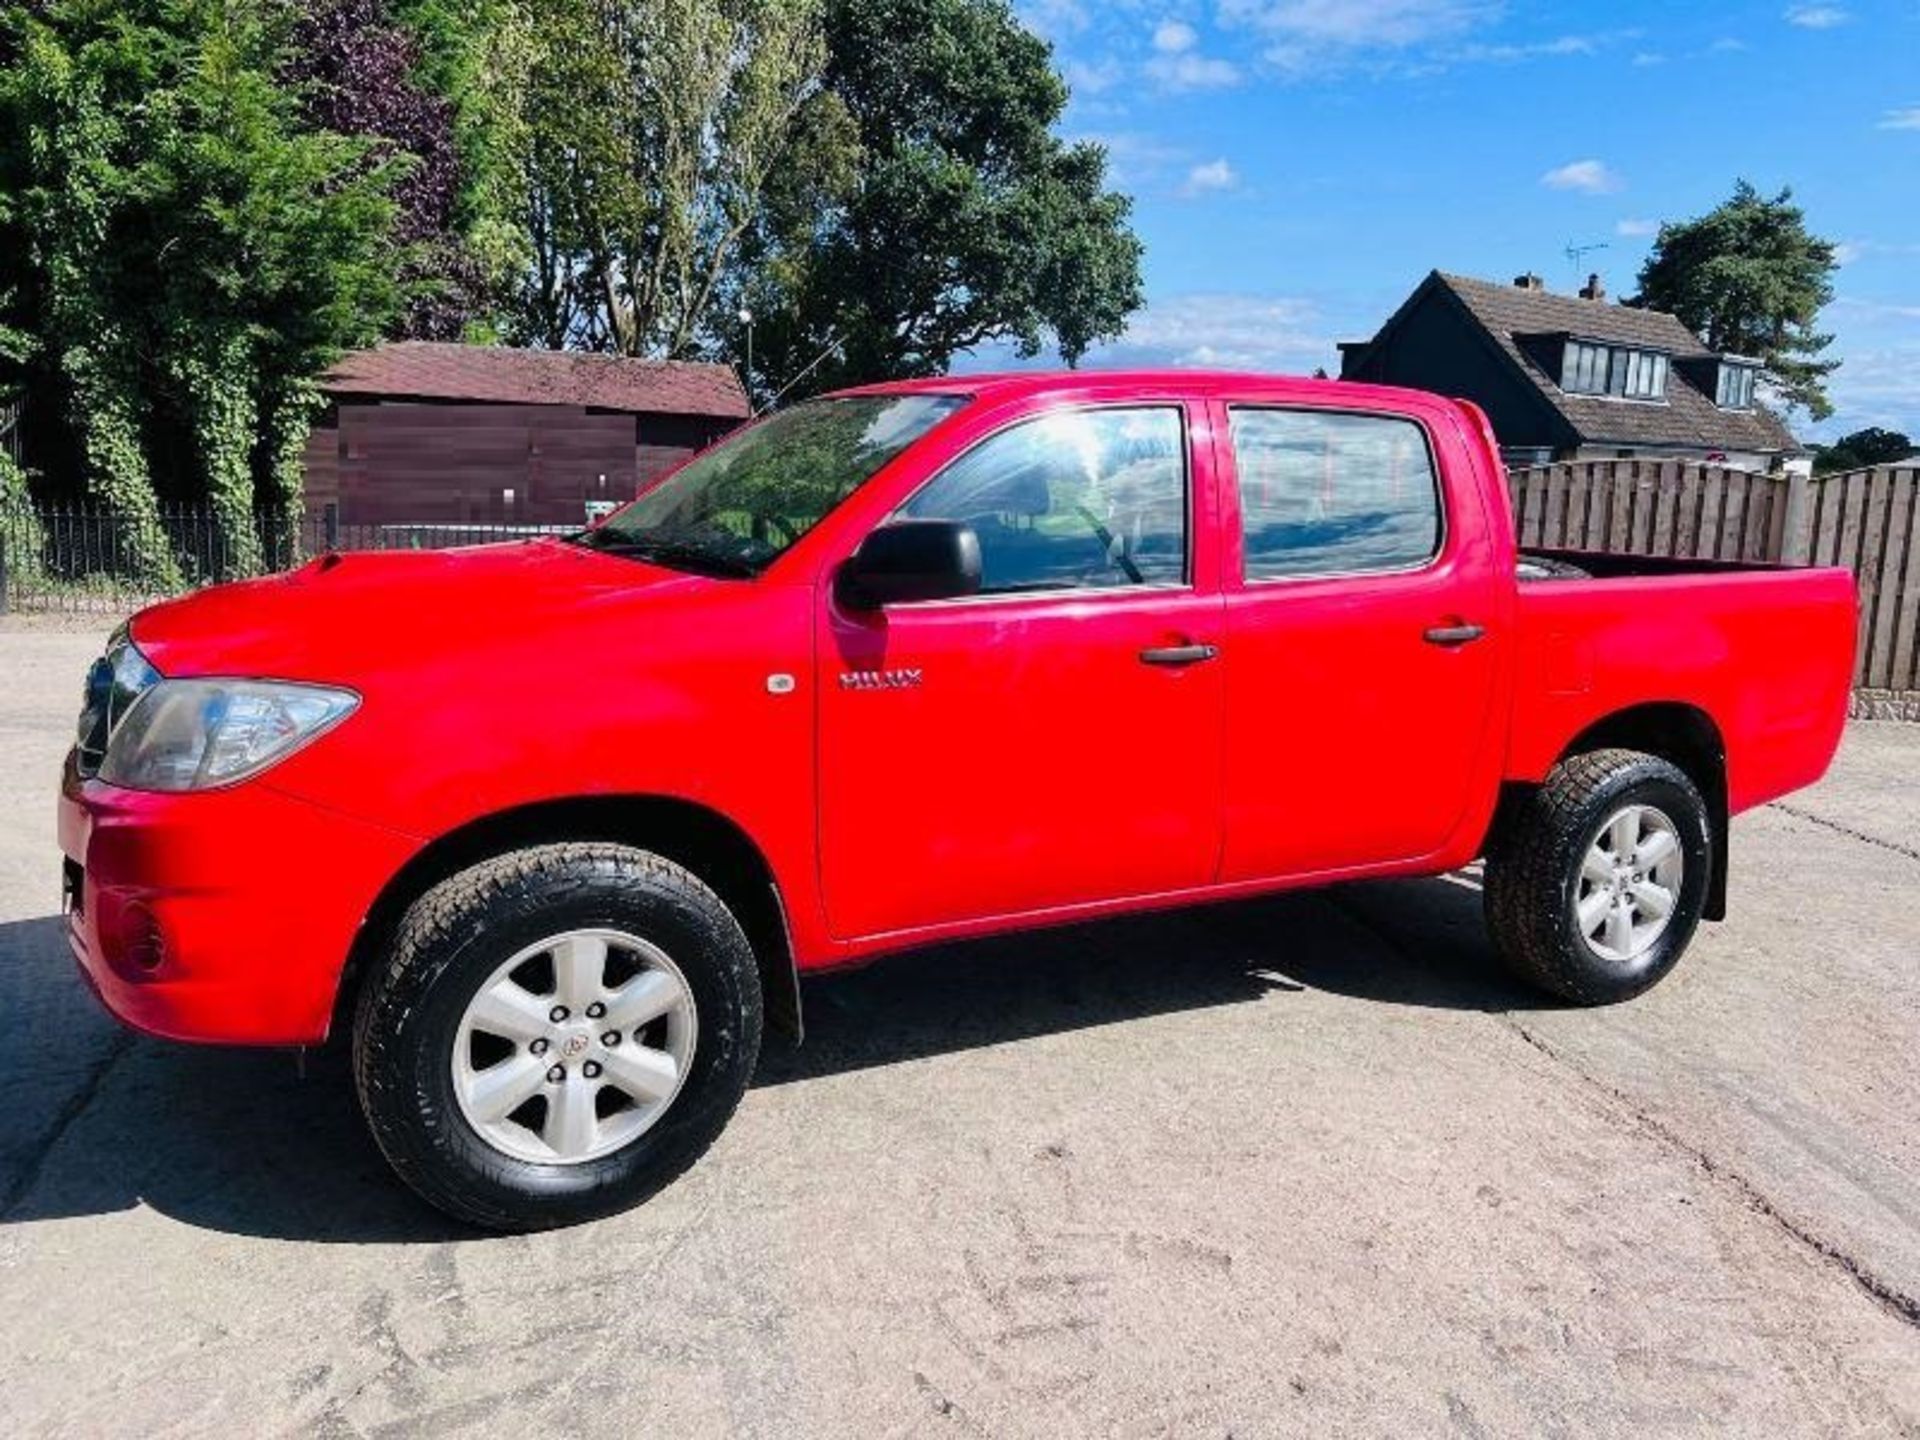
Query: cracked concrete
pixel 1306 1165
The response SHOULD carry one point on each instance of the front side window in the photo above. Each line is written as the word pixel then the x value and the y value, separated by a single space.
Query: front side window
pixel 1077 499
pixel 1331 494
pixel 734 509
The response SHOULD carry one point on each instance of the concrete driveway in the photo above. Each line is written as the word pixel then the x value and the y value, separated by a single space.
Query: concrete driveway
pixel 1309 1165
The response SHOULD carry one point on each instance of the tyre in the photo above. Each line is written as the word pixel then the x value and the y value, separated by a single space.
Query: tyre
pixel 556 1034
pixel 1596 881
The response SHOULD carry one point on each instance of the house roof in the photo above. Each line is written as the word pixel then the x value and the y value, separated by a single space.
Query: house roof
pixel 1689 417
pixel 432 370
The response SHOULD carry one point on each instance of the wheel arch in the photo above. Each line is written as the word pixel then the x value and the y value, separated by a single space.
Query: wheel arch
pixel 1686 736
pixel 707 843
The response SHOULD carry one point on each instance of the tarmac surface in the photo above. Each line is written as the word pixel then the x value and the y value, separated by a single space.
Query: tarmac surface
pixel 1307 1165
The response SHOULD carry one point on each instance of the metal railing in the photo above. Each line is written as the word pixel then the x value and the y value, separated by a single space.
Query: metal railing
pixel 84 558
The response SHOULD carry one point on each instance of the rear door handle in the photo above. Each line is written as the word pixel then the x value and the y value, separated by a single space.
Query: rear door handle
pixel 1455 634
pixel 1178 654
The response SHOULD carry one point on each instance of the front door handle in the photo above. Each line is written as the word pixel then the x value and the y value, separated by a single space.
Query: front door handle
pixel 1178 654
pixel 1455 634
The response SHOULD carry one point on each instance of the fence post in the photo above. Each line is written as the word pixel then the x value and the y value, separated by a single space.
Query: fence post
pixel 330 525
pixel 1794 531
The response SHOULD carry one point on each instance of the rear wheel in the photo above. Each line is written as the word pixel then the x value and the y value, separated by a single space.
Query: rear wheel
pixel 557 1034
pixel 1597 880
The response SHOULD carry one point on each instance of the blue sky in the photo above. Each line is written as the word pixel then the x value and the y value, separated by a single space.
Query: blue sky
pixel 1299 165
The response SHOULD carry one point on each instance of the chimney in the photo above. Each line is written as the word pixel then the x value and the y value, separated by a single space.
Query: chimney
pixel 1595 290
pixel 1529 281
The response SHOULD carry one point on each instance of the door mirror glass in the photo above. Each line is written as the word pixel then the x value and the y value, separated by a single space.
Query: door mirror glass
pixel 911 560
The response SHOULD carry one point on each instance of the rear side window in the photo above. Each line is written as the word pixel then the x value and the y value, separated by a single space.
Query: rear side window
pixel 1323 493
pixel 1072 500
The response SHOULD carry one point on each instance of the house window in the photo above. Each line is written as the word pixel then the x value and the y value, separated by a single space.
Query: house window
pixel 1639 374
pixel 1608 370
pixel 1585 369
pixel 1735 390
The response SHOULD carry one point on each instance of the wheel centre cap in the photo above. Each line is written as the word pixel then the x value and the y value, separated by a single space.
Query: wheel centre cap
pixel 574 1046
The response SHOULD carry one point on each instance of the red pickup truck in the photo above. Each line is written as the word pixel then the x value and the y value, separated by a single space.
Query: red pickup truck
pixel 554 826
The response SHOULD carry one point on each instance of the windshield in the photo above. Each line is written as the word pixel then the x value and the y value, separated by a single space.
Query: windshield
pixel 734 509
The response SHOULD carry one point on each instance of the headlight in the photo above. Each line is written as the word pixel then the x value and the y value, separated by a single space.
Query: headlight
pixel 117 679
pixel 197 734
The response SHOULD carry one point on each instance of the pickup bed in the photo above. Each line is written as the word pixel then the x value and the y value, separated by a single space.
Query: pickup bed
pixel 554 828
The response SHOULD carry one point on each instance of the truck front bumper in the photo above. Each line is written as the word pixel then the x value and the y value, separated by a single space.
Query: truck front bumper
pixel 224 916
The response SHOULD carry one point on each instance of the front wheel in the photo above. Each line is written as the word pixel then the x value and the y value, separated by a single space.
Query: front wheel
pixel 1597 880
pixel 557 1033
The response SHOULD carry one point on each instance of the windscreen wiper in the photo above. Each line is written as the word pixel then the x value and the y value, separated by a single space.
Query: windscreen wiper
pixel 676 554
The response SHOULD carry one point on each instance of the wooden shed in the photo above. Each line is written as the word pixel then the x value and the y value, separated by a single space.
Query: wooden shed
pixel 420 432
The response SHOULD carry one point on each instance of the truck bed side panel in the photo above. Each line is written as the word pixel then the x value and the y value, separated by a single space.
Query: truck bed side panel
pixel 1766 654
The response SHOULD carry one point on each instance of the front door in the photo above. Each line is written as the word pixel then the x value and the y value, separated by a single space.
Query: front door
pixel 1055 740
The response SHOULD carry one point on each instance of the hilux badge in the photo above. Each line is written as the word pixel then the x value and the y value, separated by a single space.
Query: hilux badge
pixel 879 679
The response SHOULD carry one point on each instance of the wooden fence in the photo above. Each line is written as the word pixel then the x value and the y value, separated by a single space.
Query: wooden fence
pixel 1865 520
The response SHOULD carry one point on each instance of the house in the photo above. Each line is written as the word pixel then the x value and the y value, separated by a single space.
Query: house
pixel 429 433
pixel 1574 377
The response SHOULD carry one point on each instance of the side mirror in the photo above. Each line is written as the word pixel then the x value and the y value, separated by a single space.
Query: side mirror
pixel 911 560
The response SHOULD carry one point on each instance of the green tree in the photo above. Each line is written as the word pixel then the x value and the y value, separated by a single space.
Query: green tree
pixel 1750 279
pixel 181 255
pixel 1872 446
pixel 878 182
pixel 651 130
pixel 967 219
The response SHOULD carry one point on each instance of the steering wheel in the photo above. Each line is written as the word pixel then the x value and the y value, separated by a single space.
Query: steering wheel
pixel 1116 552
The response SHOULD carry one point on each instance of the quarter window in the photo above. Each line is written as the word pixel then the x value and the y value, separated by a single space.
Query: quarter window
pixel 1331 494
pixel 1076 499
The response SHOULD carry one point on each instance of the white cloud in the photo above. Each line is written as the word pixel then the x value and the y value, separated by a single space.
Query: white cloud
pixel 1511 54
pixel 1817 17
pixel 1849 252
pixel 1726 45
pixel 1190 70
pixel 1878 310
pixel 1356 24
pixel 1637 229
pixel 1054 18
pixel 1303 36
pixel 1171 37
pixel 1878 385
pixel 1907 118
pixel 1211 178
pixel 1588 177
pixel 1137 161
pixel 1093 77
pixel 1649 57
pixel 1253 332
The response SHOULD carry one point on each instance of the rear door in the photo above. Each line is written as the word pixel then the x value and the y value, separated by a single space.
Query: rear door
pixel 1364 618
pixel 1055 740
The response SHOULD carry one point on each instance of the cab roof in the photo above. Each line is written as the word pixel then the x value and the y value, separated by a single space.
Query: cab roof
pixel 1025 384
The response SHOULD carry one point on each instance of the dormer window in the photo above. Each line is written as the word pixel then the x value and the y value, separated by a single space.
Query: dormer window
pixel 1734 390
pixel 1590 369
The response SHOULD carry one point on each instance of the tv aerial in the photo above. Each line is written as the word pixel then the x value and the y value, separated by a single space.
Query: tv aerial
pixel 1577 256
